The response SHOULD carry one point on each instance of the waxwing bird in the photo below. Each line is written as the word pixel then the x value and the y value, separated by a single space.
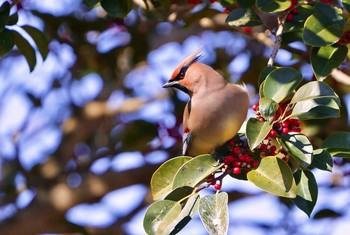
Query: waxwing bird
pixel 216 109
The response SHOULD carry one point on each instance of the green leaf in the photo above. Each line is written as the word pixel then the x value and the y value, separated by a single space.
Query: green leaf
pixel 39 39
pixel 338 144
pixel 159 217
pixel 272 5
pixel 179 193
pixel 26 49
pixel 4 14
pixel 187 213
pixel 246 3
pixel 325 59
pixel 13 19
pixel 195 171
pixel 324 27
pixel 304 11
pixel 346 4
pixel 91 3
pixel 314 90
pixel 117 8
pixel 268 108
pixel 7 41
pixel 319 108
pixel 163 177
pixel 263 74
pixel 213 211
pixel 256 132
pixel 281 82
pixel 322 160
pixel 306 191
pixel 243 17
pixel 298 146
pixel 274 176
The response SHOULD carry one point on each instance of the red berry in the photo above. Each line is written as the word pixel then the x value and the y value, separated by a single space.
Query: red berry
pixel 285 130
pixel 255 163
pixel 263 147
pixel 217 186
pixel 236 170
pixel 241 157
pixel 294 2
pixel 247 29
pixel 289 17
pixel 285 159
pixel 231 143
pixel 248 159
pixel 228 160
pixel 261 119
pixel 295 11
pixel 272 133
pixel 296 129
pixel 236 150
pixel 285 124
pixel 255 107
pixel 273 148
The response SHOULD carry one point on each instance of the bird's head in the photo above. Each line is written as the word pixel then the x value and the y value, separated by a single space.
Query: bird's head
pixel 181 78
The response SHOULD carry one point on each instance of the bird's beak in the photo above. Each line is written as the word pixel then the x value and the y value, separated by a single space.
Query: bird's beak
pixel 171 84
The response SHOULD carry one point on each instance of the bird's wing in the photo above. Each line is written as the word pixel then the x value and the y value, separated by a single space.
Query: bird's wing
pixel 186 139
pixel 186 136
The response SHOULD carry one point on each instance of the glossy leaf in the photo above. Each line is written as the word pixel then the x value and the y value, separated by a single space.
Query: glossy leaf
pixel 298 146
pixel 246 3
pixel 159 217
pixel 91 3
pixel 243 17
pixel 163 177
pixel 7 41
pixel 256 131
pixel 297 23
pixel 213 211
pixel 187 213
pixel 281 82
pixel 4 14
pixel 179 193
pixel 195 171
pixel 117 8
pixel 26 49
pixel 39 39
pixel 306 191
pixel 13 19
pixel 338 144
pixel 325 59
pixel 268 108
pixel 324 27
pixel 314 90
pixel 274 176
pixel 263 74
pixel 272 5
pixel 346 4
pixel 316 109
pixel 322 160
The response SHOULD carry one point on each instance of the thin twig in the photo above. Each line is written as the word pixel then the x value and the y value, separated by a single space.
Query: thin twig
pixel 278 40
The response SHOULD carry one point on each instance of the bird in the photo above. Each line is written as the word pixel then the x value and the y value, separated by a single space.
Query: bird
pixel 216 108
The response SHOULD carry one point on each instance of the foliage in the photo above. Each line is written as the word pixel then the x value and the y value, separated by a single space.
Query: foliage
pixel 285 155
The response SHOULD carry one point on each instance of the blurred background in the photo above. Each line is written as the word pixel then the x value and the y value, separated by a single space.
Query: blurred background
pixel 81 135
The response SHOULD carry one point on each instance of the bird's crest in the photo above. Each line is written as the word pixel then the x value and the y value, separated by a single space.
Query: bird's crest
pixel 180 71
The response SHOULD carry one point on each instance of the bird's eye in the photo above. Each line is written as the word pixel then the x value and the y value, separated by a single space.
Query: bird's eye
pixel 182 73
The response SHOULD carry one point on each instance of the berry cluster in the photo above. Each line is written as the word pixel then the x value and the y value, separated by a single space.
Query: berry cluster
pixel 239 160
pixel 281 125
pixel 293 10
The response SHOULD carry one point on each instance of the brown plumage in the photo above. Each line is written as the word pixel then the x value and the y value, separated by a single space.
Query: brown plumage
pixel 216 109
